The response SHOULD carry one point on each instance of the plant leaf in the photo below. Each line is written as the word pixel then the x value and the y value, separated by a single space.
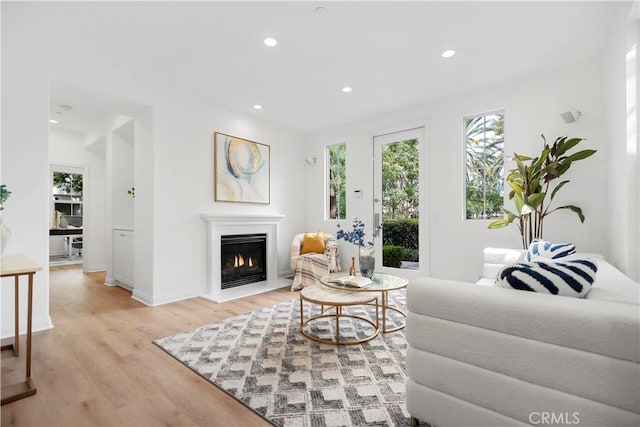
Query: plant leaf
pixel 516 187
pixel 573 208
pixel 558 187
pixel 568 145
pixel 580 155
pixel 519 201
pixel 509 213
pixel 500 223
pixel 534 200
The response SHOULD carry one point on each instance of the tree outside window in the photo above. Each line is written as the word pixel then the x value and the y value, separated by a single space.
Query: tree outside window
pixel 400 180
pixel 67 183
pixel 484 142
pixel 337 181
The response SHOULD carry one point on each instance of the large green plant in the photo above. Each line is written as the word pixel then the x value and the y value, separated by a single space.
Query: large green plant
pixel 533 180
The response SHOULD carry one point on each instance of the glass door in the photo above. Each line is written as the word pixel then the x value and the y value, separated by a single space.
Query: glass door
pixel 397 200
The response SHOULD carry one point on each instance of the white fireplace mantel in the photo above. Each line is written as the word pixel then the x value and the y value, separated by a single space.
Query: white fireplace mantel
pixel 220 225
pixel 242 219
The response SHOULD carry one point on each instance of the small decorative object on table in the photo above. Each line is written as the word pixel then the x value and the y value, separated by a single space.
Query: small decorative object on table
pixel 367 259
pixel 352 269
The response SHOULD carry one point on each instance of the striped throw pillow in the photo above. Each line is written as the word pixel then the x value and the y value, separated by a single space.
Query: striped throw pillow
pixel 541 248
pixel 572 278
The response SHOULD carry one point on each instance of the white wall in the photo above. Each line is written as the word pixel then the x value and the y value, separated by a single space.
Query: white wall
pixel 25 171
pixel 68 148
pixel 183 182
pixel 621 84
pixel 532 107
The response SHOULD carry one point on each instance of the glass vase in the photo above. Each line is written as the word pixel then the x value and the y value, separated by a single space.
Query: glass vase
pixel 367 260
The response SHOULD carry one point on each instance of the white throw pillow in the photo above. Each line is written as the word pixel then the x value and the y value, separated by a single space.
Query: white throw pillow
pixel 539 247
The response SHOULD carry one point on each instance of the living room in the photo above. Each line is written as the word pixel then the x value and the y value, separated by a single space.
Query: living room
pixel 93 47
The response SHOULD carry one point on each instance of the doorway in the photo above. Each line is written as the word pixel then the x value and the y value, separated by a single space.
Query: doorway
pixel 397 199
pixel 66 237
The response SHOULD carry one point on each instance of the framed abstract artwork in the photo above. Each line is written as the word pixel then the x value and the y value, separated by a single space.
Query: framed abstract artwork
pixel 241 170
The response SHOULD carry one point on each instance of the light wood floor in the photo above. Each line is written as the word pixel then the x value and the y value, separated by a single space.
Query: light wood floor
pixel 98 367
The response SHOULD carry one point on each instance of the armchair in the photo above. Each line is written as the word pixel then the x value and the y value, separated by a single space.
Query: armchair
pixel 308 268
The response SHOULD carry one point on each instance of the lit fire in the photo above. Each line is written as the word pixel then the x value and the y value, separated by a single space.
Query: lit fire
pixel 238 261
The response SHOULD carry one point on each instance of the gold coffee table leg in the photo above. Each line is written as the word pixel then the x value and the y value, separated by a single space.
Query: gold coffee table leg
pixel 385 307
pixel 337 315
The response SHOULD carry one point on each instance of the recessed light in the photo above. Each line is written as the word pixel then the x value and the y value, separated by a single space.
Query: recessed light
pixel 258 107
pixel 320 10
pixel 270 42
pixel 347 89
pixel 53 121
pixel 448 53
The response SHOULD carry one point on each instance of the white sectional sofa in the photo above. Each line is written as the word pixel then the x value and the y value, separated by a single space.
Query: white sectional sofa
pixel 488 356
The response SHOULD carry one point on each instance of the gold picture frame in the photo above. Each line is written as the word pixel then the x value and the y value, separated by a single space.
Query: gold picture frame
pixel 242 170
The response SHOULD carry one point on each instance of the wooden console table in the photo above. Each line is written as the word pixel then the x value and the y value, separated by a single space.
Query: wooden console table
pixel 16 266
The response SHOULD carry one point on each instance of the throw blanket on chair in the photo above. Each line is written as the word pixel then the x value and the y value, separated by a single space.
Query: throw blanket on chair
pixel 311 267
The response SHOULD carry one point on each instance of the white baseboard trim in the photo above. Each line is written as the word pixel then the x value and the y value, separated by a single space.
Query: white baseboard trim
pixel 94 268
pixel 41 324
pixel 162 299
pixel 122 285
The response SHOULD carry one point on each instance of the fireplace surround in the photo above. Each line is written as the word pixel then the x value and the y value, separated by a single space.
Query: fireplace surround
pixel 226 225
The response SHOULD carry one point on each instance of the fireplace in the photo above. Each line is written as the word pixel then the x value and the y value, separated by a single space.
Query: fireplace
pixel 219 225
pixel 243 259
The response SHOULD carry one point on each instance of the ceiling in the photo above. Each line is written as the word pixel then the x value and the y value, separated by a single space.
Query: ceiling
pixel 388 52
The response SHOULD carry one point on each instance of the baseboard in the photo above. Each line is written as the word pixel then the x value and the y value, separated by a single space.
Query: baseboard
pixel 162 299
pixel 38 325
pixel 122 285
pixel 94 268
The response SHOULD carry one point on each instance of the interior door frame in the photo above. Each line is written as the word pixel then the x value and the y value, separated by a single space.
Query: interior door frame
pixel 84 171
pixel 379 139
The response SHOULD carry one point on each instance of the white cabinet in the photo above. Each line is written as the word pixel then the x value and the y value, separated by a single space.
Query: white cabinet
pixel 123 257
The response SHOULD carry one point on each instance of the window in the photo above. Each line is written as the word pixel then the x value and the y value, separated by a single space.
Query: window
pixel 484 148
pixel 337 181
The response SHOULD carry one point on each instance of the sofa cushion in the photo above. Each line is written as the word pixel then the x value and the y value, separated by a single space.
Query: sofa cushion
pixel 572 278
pixel 496 258
pixel 542 248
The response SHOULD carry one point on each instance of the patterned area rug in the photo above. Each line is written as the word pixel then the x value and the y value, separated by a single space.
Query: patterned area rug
pixel 263 360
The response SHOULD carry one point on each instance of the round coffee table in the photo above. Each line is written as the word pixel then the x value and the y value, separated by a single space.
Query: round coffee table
pixel 334 300
pixel 383 283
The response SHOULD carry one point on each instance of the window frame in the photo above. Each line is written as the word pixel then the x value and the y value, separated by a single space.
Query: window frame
pixel 327 183
pixel 499 111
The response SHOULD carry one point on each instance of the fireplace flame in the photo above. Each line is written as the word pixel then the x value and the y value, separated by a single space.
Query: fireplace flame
pixel 238 261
